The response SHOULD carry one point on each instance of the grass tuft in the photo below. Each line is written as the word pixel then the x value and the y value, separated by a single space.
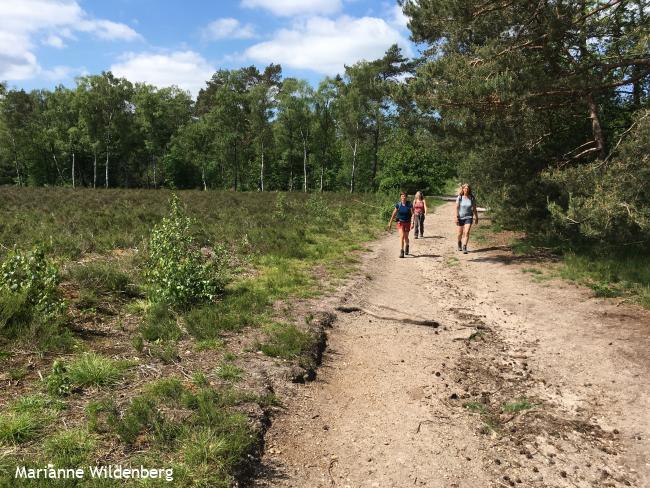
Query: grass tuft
pixel 286 341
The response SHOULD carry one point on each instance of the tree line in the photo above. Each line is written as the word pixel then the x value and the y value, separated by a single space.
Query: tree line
pixel 247 130
pixel 545 105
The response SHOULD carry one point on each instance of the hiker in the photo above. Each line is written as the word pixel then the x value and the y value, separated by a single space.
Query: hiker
pixel 465 215
pixel 420 210
pixel 404 212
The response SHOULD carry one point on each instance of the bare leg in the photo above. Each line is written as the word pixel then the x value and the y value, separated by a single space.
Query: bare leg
pixel 459 234
pixel 466 228
pixel 401 238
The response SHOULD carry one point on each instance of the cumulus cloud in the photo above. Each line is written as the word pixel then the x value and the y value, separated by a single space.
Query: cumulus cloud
pixel 296 7
pixel 324 45
pixel 185 69
pixel 24 22
pixel 398 18
pixel 54 41
pixel 228 28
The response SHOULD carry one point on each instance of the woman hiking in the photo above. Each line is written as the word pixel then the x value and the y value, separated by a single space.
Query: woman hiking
pixel 420 210
pixel 465 215
pixel 404 213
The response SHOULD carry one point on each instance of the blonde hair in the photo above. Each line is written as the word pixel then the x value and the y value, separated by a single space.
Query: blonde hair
pixel 460 190
pixel 418 195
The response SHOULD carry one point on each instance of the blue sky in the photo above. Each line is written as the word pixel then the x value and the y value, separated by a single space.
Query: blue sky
pixel 44 43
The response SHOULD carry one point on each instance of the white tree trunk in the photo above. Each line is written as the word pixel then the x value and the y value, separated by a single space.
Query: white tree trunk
pixel 354 165
pixel 73 182
pixel 262 170
pixel 304 159
pixel 106 183
pixel 58 170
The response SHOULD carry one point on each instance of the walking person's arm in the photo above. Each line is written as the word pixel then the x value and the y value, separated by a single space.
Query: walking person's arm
pixel 425 206
pixel 475 211
pixel 392 217
pixel 457 209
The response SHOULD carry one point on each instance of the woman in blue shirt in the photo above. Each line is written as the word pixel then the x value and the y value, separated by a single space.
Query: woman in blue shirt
pixel 465 215
pixel 404 213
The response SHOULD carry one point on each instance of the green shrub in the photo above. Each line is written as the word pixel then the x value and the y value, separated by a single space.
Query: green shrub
pixel 28 292
pixel 34 276
pixel 177 273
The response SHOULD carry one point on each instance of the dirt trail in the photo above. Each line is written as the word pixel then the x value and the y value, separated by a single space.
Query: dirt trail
pixel 402 403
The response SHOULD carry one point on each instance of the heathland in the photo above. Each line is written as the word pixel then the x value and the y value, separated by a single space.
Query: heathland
pixel 136 326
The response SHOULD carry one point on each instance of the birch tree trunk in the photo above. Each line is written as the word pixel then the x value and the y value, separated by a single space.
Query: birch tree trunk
pixel 262 170
pixel 354 165
pixel 73 182
pixel 58 170
pixel 20 181
pixel 304 159
pixel 95 167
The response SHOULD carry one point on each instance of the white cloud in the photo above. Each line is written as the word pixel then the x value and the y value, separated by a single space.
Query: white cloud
pixel 105 29
pixel 398 18
pixel 228 28
pixel 325 45
pixel 57 73
pixel 48 20
pixel 296 7
pixel 54 41
pixel 185 69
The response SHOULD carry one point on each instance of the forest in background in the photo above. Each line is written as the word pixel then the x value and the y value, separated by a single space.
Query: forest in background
pixel 542 106
pixel 247 130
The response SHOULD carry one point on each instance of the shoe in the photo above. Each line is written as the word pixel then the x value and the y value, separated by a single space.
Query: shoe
pixel 460 247
pixel 416 237
pixel 465 251
pixel 421 236
pixel 401 253
pixel 406 251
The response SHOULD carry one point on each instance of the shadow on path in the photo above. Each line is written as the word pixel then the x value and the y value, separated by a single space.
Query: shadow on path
pixel 493 248
pixel 428 323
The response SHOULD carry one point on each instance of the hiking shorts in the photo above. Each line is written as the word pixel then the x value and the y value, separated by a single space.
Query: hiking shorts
pixel 465 221
pixel 405 226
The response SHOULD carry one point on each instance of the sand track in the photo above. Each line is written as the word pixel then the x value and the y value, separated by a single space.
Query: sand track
pixel 428 351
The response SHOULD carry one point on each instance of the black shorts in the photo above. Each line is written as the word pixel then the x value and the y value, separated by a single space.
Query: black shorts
pixel 465 221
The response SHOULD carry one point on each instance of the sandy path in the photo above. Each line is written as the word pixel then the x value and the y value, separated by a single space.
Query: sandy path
pixel 389 406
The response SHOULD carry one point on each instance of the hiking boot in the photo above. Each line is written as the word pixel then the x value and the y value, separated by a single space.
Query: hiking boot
pixel 407 250
pixel 416 236
pixel 401 253
pixel 465 251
